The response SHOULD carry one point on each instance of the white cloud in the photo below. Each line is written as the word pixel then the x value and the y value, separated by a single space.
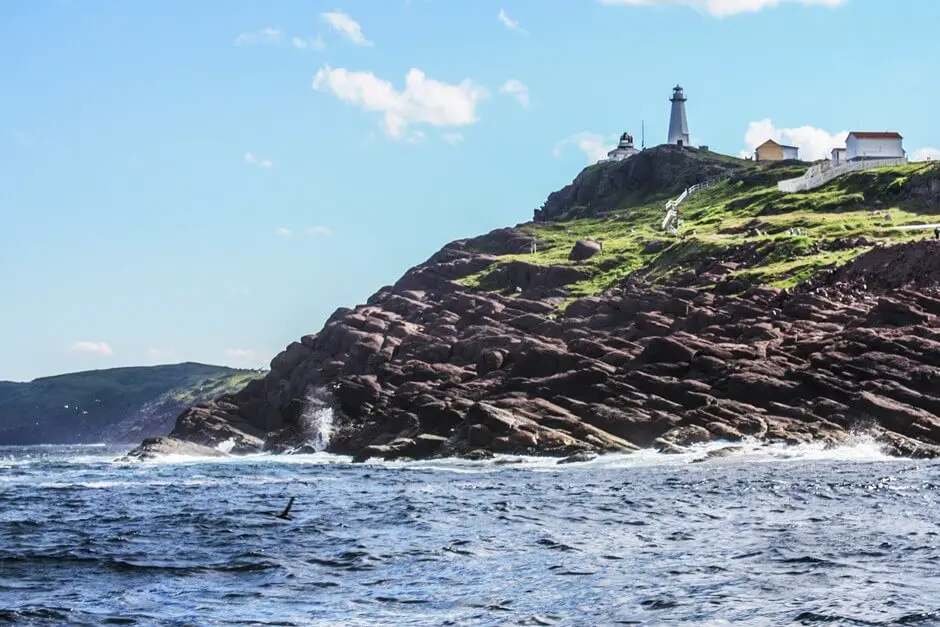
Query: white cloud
pixel 319 230
pixel 346 25
pixel 91 348
pixel 253 159
pixel 283 232
pixel 308 43
pixel 423 100
pixel 594 146
pixel 510 23
pixel 926 154
pixel 453 138
pixel 724 8
pixel 267 35
pixel 517 90
pixel 161 353
pixel 238 291
pixel 814 143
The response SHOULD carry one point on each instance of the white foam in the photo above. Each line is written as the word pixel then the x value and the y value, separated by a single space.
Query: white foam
pixel 317 419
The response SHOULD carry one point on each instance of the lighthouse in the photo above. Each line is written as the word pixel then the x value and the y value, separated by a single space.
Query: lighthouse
pixel 678 124
pixel 624 149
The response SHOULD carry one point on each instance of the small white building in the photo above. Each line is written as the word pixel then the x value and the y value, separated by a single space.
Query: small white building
pixel 860 146
pixel 624 149
pixel 838 156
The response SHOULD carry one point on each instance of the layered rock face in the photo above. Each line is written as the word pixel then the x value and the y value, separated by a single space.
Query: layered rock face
pixel 428 367
pixel 676 349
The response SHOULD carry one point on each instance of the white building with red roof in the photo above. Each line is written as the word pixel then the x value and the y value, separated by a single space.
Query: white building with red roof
pixel 863 145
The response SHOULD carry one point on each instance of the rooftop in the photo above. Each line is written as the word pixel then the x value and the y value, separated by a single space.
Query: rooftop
pixel 876 135
pixel 770 141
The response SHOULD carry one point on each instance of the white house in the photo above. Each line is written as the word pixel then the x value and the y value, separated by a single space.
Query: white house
pixel 624 149
pixel 881 145
pixel 838 156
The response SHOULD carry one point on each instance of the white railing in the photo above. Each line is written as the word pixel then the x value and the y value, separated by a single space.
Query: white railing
pixel 820 174
pixel 678 201
pixel 670 221
pixel 673 220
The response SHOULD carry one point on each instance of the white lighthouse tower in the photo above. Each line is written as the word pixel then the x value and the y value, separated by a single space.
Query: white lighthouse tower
pixel 678 124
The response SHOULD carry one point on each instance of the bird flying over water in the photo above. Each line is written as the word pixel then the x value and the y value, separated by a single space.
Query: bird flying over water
pixel 285 515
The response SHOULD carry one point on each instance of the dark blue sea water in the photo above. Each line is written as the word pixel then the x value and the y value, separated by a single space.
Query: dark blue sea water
pixel 773 537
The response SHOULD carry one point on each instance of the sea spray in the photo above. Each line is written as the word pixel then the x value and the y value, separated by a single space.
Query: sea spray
pixel 317 419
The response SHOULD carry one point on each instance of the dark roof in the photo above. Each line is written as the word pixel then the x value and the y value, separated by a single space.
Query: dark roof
pixel 876 135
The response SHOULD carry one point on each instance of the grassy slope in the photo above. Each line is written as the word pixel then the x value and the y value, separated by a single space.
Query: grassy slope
pixel 863 204
pixel 82 406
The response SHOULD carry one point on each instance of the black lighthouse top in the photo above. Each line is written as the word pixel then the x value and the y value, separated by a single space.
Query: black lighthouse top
pixel 677 95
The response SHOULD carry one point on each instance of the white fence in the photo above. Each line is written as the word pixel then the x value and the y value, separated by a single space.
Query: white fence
pixel 820 174
pixel 673 220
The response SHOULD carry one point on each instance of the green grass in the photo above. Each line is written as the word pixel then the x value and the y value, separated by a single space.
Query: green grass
pixel 729 220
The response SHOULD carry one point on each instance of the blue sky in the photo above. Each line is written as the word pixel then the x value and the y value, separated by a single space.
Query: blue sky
pixel 209 180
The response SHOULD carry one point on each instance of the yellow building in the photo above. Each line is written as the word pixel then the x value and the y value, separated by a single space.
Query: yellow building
pixel 772 151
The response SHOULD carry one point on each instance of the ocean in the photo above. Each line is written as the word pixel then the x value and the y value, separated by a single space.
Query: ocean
pixel 772 536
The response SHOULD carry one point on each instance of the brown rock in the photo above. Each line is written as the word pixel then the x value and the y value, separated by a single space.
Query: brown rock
pixel 584 249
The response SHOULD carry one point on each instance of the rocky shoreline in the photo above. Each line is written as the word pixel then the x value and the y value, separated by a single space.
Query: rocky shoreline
pixel 484 349
pixel 429 368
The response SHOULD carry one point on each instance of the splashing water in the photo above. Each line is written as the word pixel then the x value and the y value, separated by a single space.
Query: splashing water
pixel 317 420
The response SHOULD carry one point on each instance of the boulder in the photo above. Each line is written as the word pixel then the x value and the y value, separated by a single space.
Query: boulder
pixel 155 448
pixel 584 249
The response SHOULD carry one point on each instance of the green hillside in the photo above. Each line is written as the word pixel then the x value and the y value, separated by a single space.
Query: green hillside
pixel 764 235
pixel 117 405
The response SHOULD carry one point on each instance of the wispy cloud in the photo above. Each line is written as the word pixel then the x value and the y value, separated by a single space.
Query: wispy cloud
pixel 594 146
pixel 346 25
pixel 308 43
pixel 161 353
pixel 510 23
pixel 422 101
pixel 238 291
pixel 269 35
pixel 724 8
pixel 283 232
pixel 517 90
pixel 87 347
pixel 319 230
pixel 253 159
pixel 814 143
pixel 453 138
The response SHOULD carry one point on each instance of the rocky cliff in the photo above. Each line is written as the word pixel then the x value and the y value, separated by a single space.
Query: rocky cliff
pixel 794 318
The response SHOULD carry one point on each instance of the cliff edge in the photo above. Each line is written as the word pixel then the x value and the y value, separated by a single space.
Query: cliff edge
pixel 791 318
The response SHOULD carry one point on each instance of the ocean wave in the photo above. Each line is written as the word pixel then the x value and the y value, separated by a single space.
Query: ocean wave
pixel 862 448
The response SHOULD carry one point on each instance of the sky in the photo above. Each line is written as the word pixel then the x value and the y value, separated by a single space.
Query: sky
pixel 208 181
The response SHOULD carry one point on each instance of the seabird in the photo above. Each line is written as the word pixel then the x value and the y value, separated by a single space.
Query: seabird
pixel 285 515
